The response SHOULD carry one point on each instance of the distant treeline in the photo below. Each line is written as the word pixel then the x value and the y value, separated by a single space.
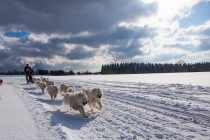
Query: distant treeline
pixel 125 68
pixel 135 68
pixel 48 72
pixel 54 72
pixel 62 72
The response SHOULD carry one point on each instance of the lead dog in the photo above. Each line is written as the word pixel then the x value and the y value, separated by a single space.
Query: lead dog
pixel 77 101
pixel 94 97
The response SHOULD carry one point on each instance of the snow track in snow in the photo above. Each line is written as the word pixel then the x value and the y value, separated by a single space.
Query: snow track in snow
pixel 131 110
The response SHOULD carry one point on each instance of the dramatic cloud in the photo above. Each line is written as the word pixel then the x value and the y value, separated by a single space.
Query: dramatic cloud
pixel 84 35
pixel 74 16
pixel 80 53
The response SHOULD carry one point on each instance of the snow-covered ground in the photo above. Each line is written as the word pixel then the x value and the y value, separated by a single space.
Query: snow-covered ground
pixel 141 106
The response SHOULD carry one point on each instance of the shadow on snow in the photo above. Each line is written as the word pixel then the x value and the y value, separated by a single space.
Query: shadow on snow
pixel 71 119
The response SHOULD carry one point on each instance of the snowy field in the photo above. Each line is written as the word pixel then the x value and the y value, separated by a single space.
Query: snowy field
pixel 143 107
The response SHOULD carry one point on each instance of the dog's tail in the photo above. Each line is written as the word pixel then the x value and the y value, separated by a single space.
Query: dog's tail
pixel 70 89
pixel 84 89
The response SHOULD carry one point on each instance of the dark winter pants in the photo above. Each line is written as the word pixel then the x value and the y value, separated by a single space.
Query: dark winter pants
pixel 27 77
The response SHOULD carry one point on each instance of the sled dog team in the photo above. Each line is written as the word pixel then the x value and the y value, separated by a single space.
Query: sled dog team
pixel 76 100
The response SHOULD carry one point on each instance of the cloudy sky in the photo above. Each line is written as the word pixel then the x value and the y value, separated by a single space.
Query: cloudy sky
pixel 82 35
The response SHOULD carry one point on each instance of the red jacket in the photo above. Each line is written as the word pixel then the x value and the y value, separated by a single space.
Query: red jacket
pixel 27 69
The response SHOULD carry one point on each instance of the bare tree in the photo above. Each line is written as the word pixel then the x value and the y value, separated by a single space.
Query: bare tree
pixel 180 62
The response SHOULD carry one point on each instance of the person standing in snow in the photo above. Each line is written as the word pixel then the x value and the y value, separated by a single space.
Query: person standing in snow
pixel 27 71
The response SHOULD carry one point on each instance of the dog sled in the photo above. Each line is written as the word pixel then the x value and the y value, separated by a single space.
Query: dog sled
pixel 31 79
pixel 1 81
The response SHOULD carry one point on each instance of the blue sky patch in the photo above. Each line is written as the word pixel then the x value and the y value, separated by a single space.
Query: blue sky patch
pixel 200 13
pixel 16 34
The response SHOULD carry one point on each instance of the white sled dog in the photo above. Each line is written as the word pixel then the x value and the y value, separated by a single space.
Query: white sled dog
pixel 66 88
pixel 41 85
pixel 37 80
pixel 44 79
pixel 52 90
pixel 77 101
pixel 94 96
pixel 34 79
pixel 49 82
